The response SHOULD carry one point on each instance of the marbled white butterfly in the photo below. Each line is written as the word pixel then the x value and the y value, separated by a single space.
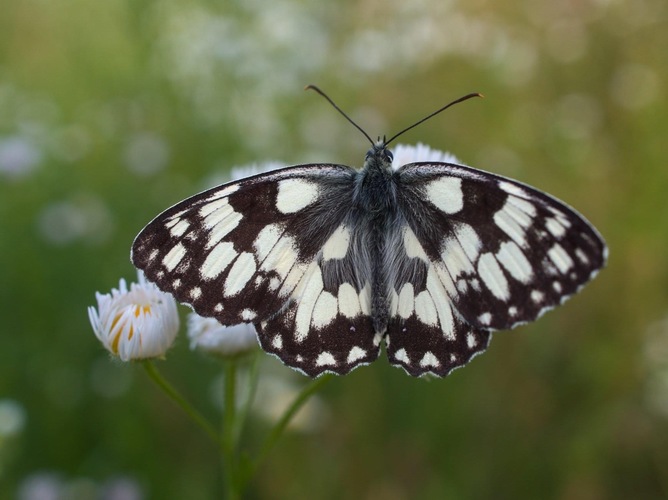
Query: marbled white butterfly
pixel 328 262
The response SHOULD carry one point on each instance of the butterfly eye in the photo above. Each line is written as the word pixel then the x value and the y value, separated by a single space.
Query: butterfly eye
pixel 389 155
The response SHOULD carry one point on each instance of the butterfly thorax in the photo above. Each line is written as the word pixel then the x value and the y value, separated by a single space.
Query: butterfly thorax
pixel 375 191
pixel 375 198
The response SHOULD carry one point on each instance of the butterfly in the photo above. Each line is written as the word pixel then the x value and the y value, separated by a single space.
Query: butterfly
pixel 330 263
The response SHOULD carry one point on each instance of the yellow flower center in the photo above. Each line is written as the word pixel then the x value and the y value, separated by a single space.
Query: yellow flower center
pixel 138 309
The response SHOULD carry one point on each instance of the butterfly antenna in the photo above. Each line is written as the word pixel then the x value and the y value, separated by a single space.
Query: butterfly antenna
pixel 313 87
pixel 456 101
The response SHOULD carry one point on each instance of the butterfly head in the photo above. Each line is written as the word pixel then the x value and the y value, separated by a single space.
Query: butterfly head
pixel 379 154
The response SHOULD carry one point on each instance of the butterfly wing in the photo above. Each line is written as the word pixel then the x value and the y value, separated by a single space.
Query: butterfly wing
pixel 274 250
pixel 484 253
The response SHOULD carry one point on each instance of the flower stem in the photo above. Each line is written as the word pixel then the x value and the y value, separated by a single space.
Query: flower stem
pixel 290 412
pixel 250 397
pixel 175 396
pixel 228 431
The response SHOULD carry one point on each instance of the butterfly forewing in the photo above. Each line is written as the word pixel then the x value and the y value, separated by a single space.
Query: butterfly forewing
pixel 238 252
pixel 502 251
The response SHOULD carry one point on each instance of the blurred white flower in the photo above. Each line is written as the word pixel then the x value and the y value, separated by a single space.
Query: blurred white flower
pixel 19 156
pixel 135 324
pixel 41 486
pixel 146 153
pixel 208 335
pixel 238 173
pixel 82 218
pixel 404 154
pixel 277 392
pixel 12 419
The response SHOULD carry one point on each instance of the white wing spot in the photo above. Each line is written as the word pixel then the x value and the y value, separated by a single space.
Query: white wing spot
pixel 241 272
pixel 218 307
pixel 582 257
pixel 462 286
pixel 295 195
pixel 406 301
pixel 441 301
pixel 493 277
pixel 425 309
pixel 412 245
pixel 176 283
pixel 282 258
pixel 512 258
pixel 174 256
pixel 220 224
pixel 325 358
pixel 537 296
pixel 512 311
pixel 471 341
pixel 277 342
pixel 179 228
pixel 512 188
pixel 195 293
pixel 401 355
pixel 336 246
pixel 325 310
pixel 561 259
pixel 266 240
pixel 557 286
pixel 446 193
pixel 365 299
pixel 349 303
pixel 469 240
pixel 218 259
pixel 248 315
pixel 455 258
pixel 485 318
pixel 553 226
pixel 154 253
pixel 309 289
pixel 526 207
pixel 510 226
pixel 214 204
pixel 429 360
pixel 274 283
pixel 355 354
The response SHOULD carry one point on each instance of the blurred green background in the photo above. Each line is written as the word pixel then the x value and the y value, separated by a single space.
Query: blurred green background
pixel 111 111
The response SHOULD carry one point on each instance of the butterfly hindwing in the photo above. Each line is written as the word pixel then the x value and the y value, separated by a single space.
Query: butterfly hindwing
pixel 326 325
pixel 502 251
pixel 426 333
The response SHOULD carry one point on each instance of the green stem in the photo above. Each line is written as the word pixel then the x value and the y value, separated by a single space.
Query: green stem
pixel 280 426
pixel 197 417
pixel 230 469
pixel 248 403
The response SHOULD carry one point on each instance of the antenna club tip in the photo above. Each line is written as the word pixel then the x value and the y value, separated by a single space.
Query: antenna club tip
pixel 310 86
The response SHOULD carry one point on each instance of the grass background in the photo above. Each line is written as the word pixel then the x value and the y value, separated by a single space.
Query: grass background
pixel 111 111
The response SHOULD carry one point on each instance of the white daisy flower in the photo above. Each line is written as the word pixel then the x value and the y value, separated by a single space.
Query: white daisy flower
pixel 135 324
pixel 404 154
pixel 208 335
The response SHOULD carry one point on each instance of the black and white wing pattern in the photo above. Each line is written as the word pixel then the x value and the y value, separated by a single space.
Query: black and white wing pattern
pixel 329 262
pixel 486 253
pixel 272 250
